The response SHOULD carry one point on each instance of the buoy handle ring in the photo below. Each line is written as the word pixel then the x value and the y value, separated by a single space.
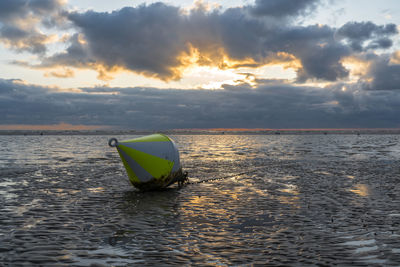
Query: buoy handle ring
pixel 113 142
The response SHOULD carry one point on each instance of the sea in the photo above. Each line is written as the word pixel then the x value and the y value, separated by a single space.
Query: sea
pixel 269 200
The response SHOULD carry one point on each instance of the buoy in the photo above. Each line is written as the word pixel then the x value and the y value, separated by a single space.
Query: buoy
pixel 151 162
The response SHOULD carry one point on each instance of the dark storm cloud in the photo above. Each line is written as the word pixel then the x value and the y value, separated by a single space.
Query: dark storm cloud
pixel 382 43
pixel 9 9
pixel 44 6
pixel 269 106
pixel 23 40
pixel 358 33
pixel 75 55
pixel 385 75
pixel 143 39
pixel 236 31
pixel 317 49
pixel 324 63
pixel 283 8
pixel 18 23
pixel 366 30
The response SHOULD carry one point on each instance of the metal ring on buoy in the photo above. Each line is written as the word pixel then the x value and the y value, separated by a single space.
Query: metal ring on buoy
pixel 113 142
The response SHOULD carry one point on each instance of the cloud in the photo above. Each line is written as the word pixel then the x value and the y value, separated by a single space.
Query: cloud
pixel 283 8
pixel 144 39
pixel 359 33
pixel 395 59
pixel 268 106
pixel 63 73
pixel 161 40
pixel 20 22
pixel 76 55
pixel 10 10
pixel 385 74
pixel 23 39
pixel 318 51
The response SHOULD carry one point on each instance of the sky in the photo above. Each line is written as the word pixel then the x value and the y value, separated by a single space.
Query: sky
pixel 148 65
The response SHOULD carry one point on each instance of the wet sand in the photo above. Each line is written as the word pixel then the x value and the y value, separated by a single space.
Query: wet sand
pixel 290 200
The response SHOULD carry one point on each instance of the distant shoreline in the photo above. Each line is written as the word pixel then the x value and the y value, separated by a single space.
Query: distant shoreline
pixel 206 132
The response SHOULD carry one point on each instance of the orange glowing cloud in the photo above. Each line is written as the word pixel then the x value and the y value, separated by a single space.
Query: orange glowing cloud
pixel 395 59
pixel 216 56
pixel 358 67
pixel 62 73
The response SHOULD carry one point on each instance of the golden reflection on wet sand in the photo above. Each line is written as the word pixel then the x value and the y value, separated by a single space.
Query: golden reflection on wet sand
pixel 361 190
pixel 96 189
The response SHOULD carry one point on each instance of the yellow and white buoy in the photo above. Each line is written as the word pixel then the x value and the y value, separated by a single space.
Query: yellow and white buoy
pixel 152 161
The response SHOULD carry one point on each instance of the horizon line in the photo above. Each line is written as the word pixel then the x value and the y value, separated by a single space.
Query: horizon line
pixel 80 127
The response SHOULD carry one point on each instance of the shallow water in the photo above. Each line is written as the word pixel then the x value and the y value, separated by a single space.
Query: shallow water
pixel 281 200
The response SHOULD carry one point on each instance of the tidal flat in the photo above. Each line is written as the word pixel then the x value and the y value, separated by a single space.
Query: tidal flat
pixel 293 200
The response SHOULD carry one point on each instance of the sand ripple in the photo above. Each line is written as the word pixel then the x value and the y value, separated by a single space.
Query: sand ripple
pixel 74 205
